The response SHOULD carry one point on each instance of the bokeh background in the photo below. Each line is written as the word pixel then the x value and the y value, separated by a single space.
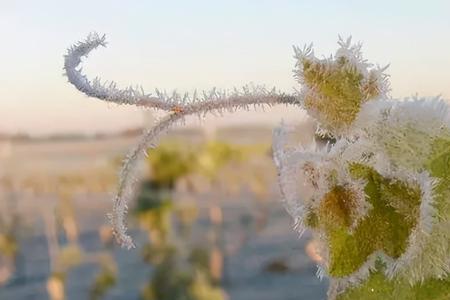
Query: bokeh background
pixel 208 223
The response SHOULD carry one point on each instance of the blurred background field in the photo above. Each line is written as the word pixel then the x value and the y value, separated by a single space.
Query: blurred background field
pixel 208 223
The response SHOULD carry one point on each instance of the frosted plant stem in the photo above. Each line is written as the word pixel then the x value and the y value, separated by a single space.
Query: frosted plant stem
pixel 127 179
pixel 126 188
pixel 174 102
pixel 178 105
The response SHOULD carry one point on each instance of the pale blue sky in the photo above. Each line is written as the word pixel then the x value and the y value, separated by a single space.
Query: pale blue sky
pixel 201 44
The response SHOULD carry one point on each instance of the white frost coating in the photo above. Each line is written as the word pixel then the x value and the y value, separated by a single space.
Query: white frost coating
pixel 127 179
pixel 178 106
pixel 301 180
pixel 427 219
pixel 95 88
pixel 196 103
pixel 352 53
pixel 362 147
pixel 287 176
pixel 342 283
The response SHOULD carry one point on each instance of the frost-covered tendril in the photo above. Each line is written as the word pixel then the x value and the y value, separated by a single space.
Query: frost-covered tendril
pixel 178 106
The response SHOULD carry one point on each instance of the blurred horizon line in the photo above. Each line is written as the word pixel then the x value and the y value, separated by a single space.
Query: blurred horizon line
pixel 126 132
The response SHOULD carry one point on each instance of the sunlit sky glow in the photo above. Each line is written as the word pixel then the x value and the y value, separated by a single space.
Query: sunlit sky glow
pixel 201 44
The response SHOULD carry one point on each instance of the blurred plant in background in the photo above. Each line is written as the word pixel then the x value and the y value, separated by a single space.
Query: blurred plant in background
pixel 61 228
pixel 183 270
pixel 179 209
pixel 69 254
pixel 9 231
pixel 106 278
